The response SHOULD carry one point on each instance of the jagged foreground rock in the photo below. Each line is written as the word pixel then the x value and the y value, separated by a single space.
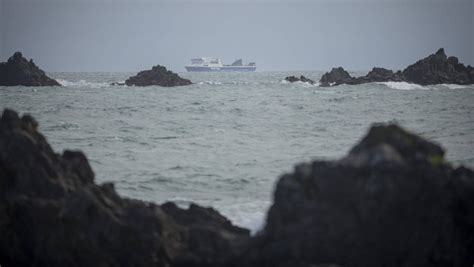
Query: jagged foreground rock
pixel 434 69
pixel 158 75
pixel 19 71
pixel 392 201
pixel 53 214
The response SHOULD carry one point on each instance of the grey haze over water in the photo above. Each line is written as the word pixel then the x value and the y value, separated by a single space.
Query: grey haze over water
pixel 279 35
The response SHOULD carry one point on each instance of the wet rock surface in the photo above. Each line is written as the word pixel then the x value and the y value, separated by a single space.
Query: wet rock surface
pixel 20 71
pixel 434 69
pixel 158 75
pixel 392 201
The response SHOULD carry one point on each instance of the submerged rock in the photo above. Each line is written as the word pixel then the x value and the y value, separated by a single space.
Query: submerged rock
pixel 393 201
pixel 53 214
pixel 303 79
pixel 158 75
pixel 19 71
pixel 434 69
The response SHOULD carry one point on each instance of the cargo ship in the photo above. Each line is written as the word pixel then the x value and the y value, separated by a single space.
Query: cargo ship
pixel 215 64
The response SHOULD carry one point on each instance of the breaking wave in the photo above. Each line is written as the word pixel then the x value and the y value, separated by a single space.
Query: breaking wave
pixel 82 83
pixel 412 86
pixel 404 86
pixel 455 86
pixel 305 84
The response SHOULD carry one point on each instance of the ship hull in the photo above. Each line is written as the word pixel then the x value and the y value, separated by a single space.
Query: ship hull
pixel 221 69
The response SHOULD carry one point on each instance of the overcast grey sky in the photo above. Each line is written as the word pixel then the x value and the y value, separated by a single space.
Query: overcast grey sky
pixel 278 35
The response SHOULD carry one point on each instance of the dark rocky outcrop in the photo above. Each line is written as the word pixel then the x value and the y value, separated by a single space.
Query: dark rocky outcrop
pixel 19 71
pixel 392 201
pixel 303 79
pixel 438 68
pixel 335 77
pixel 53 214
pixel 434 69
pixel 379 75
pixel 158 75
pixel 338 76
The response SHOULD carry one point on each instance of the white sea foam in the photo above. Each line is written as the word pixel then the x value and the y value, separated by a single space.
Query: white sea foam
pixel 305 84
pixel 404 86
pixel 412 86
pixel 210 83
pixel 255 222
pixel 250 215
pixel 456 86
pixel 82 83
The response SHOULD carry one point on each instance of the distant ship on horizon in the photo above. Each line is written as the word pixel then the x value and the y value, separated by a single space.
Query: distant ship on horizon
pixel 214 64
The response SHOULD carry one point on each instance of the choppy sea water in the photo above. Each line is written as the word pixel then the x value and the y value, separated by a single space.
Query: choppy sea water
pixel 225 140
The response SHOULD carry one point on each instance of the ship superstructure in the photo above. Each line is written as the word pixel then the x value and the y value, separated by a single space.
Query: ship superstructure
pixel 215 64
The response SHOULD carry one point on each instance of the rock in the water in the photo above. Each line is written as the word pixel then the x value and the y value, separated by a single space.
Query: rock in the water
pixel 437 69
pixel 379 75
pixel 336 76
pixel 53 214
pixel 117 83
pixel 393 201
pixel 158 75
pixel 303 79
pixel 434 69
pixel 19 71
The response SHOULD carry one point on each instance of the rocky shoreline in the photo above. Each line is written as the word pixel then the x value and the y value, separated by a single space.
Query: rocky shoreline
pixel 392 201
pixel 437 68
pixel 20 71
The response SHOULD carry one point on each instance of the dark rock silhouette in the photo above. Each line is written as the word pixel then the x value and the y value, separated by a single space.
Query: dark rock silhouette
pixel 158 75
pixel 53 214
pixel 434 69
pixel 335 77
pixel 379 75
pixel 19 71
pixel 338 76
pixel 303 79
pixel 392 201
pixel 438 68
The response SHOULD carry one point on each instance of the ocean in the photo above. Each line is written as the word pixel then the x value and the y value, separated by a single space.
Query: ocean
pixel 225 140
